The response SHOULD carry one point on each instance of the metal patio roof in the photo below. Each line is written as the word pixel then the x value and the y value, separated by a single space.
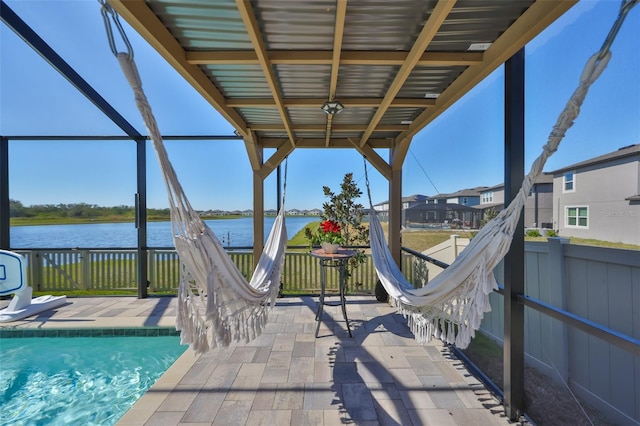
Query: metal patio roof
pixel 267 66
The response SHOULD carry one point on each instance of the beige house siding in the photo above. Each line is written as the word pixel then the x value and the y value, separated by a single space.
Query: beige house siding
pixel 603 190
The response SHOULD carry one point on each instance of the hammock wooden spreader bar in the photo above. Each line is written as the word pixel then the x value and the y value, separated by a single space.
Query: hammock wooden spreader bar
pixel 216 304
pixel 451 306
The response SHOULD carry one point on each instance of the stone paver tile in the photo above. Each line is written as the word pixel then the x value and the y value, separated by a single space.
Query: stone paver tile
pixel 305 337
pixel 294 328
pixel 373 373
pixel 233 413
pixel 279 359
pixel 479 416
pixel 165 418
pixel 222 377
pixel 406 379
pixel 360 354
pixel 372 339
pixel 198 374
pixel 180 399
pixel 243 388
pixel 346 372
pixel 262 354
pixel 393 340
pixel 265 339
pixel 437 417
pixel 423 366
pixel 306 349
pixel 441 392
pixel 254 369
pixel 283 342
pixel 307 417
pixel 322 396
pixel 289 396
pixel 265 395
pixel 393 357
pixel 391 412
pixel 204 407
pixel 384 391
pixel 323 372
pixel 269 418
pixel 328 351
pixel 301 370
pixel 242 354
pixel 416 399
pixel 273 327
pixel 450 373
pixel 275 375
pixel 357 400
pixel 469 398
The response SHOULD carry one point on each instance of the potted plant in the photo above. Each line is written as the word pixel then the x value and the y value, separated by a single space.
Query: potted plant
pixel 342 221
pixel 327 236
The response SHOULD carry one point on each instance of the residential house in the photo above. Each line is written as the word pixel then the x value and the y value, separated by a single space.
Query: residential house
pixel 600 198
pixel 538 207
pixel 491 199
pixel 382 209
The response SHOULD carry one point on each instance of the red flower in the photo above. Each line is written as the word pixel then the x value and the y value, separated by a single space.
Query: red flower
pixel 330 226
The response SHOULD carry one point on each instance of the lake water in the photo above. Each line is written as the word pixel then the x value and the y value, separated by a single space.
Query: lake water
pixel 231 232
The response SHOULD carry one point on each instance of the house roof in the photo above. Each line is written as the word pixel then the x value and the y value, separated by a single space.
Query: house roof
pixel 624 152
pixel 445 207
pixel 468 192
pixel 267 66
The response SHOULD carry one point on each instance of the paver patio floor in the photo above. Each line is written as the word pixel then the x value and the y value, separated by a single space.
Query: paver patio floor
pixel 380 376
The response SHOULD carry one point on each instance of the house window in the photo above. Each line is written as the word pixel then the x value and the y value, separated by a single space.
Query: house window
pixel 578 217
pixel 487 197
pixel 569 182
pixel 465 201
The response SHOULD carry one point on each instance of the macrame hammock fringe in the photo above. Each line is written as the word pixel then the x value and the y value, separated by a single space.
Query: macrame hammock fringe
pixel 216 304
pixel 451 306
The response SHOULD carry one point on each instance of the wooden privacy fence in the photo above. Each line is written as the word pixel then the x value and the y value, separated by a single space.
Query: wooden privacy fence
pixel 115 270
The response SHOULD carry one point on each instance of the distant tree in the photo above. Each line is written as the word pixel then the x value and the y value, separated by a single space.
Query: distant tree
pixel 16 209
pixel 488 215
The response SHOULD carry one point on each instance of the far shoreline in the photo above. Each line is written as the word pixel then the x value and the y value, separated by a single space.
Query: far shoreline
pixel 84 221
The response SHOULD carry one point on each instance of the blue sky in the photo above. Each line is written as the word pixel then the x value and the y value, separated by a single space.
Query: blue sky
pixel 462 148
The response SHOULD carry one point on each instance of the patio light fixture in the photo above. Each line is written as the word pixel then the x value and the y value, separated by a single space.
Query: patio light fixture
pixel 332 107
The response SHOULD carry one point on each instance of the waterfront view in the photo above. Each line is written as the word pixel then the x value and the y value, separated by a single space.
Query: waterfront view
pixel 231 232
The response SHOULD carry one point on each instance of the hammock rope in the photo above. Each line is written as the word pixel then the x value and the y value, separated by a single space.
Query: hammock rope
pixel 216 304
pixel 451 306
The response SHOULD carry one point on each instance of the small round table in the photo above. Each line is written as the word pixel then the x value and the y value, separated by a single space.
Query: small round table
pixel 332 260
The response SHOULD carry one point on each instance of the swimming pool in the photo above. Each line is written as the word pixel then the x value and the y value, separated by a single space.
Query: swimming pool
pixel 79 380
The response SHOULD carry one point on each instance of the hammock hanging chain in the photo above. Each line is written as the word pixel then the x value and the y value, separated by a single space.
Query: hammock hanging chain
pixel 109 15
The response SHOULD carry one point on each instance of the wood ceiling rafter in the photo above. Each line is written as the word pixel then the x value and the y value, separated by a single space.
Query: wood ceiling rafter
pixel 338 33
pixel 337 128
pixel 254 151
pixel 253 31
pixel 147 24
pixel 535 19
pixel 376 143
pixel 314 102
pixel 429 30
pixel 325 57
pixel 372 157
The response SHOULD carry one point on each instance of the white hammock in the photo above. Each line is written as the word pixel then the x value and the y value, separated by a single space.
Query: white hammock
pixel 216 304
pixel 451 306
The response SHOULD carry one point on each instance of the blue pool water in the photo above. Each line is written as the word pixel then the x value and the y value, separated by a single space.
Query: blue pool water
pixel 79 380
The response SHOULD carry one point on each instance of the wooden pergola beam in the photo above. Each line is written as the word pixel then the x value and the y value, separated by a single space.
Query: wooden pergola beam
pixel 323 57
pixel 317 102
pixel 254 33
pixel 147 24
pixel 429 30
